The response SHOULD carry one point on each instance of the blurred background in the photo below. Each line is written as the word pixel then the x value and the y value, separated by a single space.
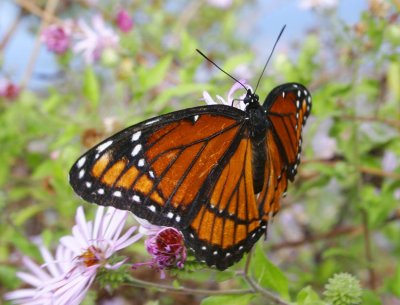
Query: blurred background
pixel 75 72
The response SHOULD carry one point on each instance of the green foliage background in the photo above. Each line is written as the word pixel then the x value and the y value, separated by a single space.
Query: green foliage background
pixel 341 214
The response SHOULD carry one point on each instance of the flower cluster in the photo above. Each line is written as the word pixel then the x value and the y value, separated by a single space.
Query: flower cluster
pixel 343 289
pixel 165 244
pixel 89 39
pixel 231 100
pixel 65 277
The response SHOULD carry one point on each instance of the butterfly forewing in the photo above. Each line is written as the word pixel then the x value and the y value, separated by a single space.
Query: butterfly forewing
pixel 157 168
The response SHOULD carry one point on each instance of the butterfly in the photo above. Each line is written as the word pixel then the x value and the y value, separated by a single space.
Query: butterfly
pixel 215 172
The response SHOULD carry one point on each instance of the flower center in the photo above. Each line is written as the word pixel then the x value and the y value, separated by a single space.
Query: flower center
pixel 90 257
pixel 169 241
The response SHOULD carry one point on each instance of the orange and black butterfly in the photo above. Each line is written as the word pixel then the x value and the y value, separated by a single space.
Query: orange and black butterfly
pixel 214 172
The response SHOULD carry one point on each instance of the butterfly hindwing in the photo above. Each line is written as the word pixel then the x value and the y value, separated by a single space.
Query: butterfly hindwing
pixel 229 224
pixel 288 107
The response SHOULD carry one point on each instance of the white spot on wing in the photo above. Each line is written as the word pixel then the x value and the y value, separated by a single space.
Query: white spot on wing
pixel 103 146
pixel 136 198
pixel 136 136
pixel 100 191
pixel 141 162
pixel 203 248
pixel 170 215
pixel 117 194
pixel 136 150
pixel 196 117
pixel 81 162
pixel 81 173
pixel 152 208
pixel 151 174
pixel 88 184
pixel 178 218
pixel 151 122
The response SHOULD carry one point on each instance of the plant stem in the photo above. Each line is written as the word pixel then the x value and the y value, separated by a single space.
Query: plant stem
pixel 185 290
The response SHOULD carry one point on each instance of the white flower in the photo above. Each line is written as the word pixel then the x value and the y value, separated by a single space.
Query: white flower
pixel 389 161
pixel 39 277
pixel 231 101
pixel 79 256
pixel 146 228
pixel 92 41
pixel 323 145
pixel 220 3
pixel 318 4
pixel 396 193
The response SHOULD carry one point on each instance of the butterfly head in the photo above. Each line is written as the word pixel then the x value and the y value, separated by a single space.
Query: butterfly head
pixel 251 99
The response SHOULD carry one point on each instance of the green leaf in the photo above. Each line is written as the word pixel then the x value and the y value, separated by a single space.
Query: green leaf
pixel 151 77
pixel 370 298
pixel 91 87
pixel 8 277
pixel 393 76
pixel 228 299
pixel 307 296
pixel 188 45
pixel 393 283
pixel 26 213
pixel 268 275
pixel 168 94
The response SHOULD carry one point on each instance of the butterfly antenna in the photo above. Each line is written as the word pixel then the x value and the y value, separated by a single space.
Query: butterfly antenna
pixel 205 56
pixel 270 55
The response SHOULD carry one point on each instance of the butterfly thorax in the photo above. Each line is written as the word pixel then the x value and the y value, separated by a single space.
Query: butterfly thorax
pixel 257 133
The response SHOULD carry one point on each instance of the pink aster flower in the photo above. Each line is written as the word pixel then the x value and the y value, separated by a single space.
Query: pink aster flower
pixel 92 41
pixel 165 244
pixel 66 278
pixel 124 21
pixel 231 100
pixel 57 38
pixel 8 89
